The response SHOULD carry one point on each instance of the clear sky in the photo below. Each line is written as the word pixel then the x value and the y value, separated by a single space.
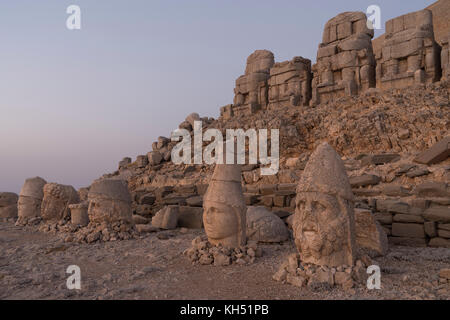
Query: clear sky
pixel 74 103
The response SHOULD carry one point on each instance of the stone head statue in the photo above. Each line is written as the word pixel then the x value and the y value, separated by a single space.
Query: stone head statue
pixel 56 201
pixel 30 198
pixel 109 201
pixel 324 215
pixel 224 207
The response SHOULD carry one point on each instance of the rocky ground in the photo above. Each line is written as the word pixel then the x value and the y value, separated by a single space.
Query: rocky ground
pixel 33 266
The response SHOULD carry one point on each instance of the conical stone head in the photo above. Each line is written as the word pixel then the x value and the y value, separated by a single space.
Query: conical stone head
pixel 324 227
pixel 224 207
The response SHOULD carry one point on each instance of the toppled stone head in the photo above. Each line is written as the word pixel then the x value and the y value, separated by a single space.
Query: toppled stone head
pixel 323 226
pixel 56 201
pixel 30 198
pixel 8 205
pixel 109 202
pixel 224 207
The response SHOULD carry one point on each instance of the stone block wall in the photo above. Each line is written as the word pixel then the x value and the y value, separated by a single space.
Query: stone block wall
pixel 347 64
pixel 290 83
pixel 345 60
pixel 409 55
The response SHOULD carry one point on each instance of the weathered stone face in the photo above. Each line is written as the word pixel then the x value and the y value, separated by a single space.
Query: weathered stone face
pixel 224 207
pixel 409 53
pixel 30 198
pixel 8 205
pixel 56 201
pixel 323 225
pixel 109 202
pixel 345 60
pixel 290 83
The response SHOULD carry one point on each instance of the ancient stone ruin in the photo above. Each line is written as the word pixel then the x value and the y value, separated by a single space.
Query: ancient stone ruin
pixel 324 225
pixel 345 60
pixel 224 207
pixel 8 205
pixel 347 64
pixel 290 83
pixel 409 53
pixel 109 202
pixel 56 201
pixel 30 199
pixel 79 214
pixel 252 88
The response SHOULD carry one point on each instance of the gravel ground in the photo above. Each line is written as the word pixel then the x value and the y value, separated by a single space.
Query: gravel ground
pixel 33 266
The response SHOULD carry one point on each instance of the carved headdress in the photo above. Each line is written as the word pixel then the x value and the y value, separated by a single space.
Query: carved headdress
pixel 325 173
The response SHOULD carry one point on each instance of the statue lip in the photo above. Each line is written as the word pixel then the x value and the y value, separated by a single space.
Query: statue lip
pixel 310 227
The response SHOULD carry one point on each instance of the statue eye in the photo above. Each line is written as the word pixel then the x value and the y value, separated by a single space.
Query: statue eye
pixel 318 207
pixel 300 204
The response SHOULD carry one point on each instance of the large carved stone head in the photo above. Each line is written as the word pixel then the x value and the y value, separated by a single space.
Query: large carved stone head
pixel 324 216
pixel 224 207
pixel 30 198
pixel 56 201
pixel 109 201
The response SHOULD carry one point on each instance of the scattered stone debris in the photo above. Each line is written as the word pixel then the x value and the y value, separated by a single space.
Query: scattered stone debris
pixel 205 253
pixel 320 277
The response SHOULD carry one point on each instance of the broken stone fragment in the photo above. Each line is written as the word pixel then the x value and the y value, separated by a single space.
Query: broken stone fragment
pixel 79 214
pixel 264 226
pixel 364 180
pixel 369 234
pixel 146 228
pixel 437 153
pixel 154 158
pixel 166 218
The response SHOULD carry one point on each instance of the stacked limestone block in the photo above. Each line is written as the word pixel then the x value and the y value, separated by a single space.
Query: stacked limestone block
pixel 445 58
pixel 30 199
pixel 56 201
pixel 410 54
pixel 290 83
pixel 345 59
pixel 251 92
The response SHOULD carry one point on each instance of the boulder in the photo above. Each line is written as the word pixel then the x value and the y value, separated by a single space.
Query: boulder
pixel 154 158
pixel 437 153
pixel 264 226
pixel 166 218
